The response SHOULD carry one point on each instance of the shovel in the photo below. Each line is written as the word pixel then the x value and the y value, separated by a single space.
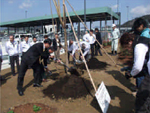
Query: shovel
pixel 72 70
pixel 76 61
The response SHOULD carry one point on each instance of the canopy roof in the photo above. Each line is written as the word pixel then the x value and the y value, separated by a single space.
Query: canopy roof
pixel 93 14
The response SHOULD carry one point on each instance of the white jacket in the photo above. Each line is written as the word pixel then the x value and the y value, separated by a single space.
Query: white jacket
pixel 24 46
pixel 12 48
pixel 115 33
pixel 86 50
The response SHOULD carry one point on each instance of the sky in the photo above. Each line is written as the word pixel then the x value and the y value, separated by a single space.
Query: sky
pixel 15 9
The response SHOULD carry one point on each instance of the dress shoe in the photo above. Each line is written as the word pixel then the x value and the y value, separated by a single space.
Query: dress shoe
pixel 37 85
pixel 14 74
pixel 20 92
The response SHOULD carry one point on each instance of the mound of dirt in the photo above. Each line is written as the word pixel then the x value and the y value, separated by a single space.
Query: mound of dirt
pixel 28 108
pixel 94 64
pixel 69 87
pixel 126 60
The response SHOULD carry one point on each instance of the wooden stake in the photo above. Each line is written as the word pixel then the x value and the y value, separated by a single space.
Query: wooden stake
pixel 63 23
pixel 65 36
pixel 80 49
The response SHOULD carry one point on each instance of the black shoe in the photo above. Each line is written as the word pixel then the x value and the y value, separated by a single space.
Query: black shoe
pixel 20 92
pixel 37 85
pixel 2 79
pixel 14 74
pixel 115 52
pixel 112 52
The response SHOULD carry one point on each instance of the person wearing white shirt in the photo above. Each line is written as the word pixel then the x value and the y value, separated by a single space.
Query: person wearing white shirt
pixel 34 41
pixel 25 45
pixel 71 46
pixel 115 35
pixel 1 60
pixel 86 36
pixel 141 66
pixel 12 48
pixel 57 47
pixel 92 42
pixel 85 47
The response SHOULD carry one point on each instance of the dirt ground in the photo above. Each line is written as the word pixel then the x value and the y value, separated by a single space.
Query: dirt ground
pixel 69 93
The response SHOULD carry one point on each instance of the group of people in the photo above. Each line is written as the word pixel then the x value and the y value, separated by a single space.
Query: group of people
pixel 35 55
pixel 91 38
pixel 88 43
pixel 138 39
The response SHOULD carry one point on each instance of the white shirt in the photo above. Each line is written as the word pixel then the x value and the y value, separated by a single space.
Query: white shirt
pixel 24 46
pixel 86 37
pixel 57 40
pixel 12 48
pixel 140 51
pixel 71 47
pixel 32 43
pixel 115 33
pixel 92 39
pixel 86 50
pixel 1 55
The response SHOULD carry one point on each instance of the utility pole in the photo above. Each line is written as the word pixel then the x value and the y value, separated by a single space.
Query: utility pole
pixel 26 14
pixel 127 16
pixel 117 6
pixel 118 13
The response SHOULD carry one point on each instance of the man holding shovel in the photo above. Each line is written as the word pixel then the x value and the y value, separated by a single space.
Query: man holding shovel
pixel 85 47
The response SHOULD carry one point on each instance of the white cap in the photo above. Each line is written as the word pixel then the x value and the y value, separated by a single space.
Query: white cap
pixel 80 40
pixel 113 25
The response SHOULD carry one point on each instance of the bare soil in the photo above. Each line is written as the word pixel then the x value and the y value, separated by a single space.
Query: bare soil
pixel 65 93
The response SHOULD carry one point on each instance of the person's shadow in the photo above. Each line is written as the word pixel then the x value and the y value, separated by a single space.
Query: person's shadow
pixel 125 104
pixel 121 78
pixel 53 76
pixel 94 64
pixel 5 78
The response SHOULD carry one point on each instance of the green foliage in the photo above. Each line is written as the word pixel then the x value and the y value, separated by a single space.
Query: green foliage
pixel 36 108
pixel 109 43
pixel 10 112
pixel 105 44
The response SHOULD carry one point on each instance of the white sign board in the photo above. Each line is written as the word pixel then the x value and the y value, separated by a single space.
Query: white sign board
pixel 103 97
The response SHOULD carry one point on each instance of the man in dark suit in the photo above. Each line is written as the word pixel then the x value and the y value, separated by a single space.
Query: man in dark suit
pixel 57 46
pixel 44 68
pixel 32 59
pixel 99 39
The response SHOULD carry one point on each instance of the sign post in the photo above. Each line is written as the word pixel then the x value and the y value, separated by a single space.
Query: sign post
pixel 103 97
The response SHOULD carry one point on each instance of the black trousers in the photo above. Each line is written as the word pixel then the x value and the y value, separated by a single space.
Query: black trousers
pixel 70 52
pixel 97 49
pixel 14 59
pixel 23 68
pixel 92 49
pixel 142 102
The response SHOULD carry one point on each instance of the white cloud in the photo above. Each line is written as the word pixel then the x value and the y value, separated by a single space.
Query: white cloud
pixel 26 4
pixel 140 10
pixel 114 7
pixel 10 1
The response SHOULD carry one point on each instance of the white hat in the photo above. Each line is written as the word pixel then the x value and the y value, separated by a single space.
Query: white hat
pixel 80 40
pixel 113 25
